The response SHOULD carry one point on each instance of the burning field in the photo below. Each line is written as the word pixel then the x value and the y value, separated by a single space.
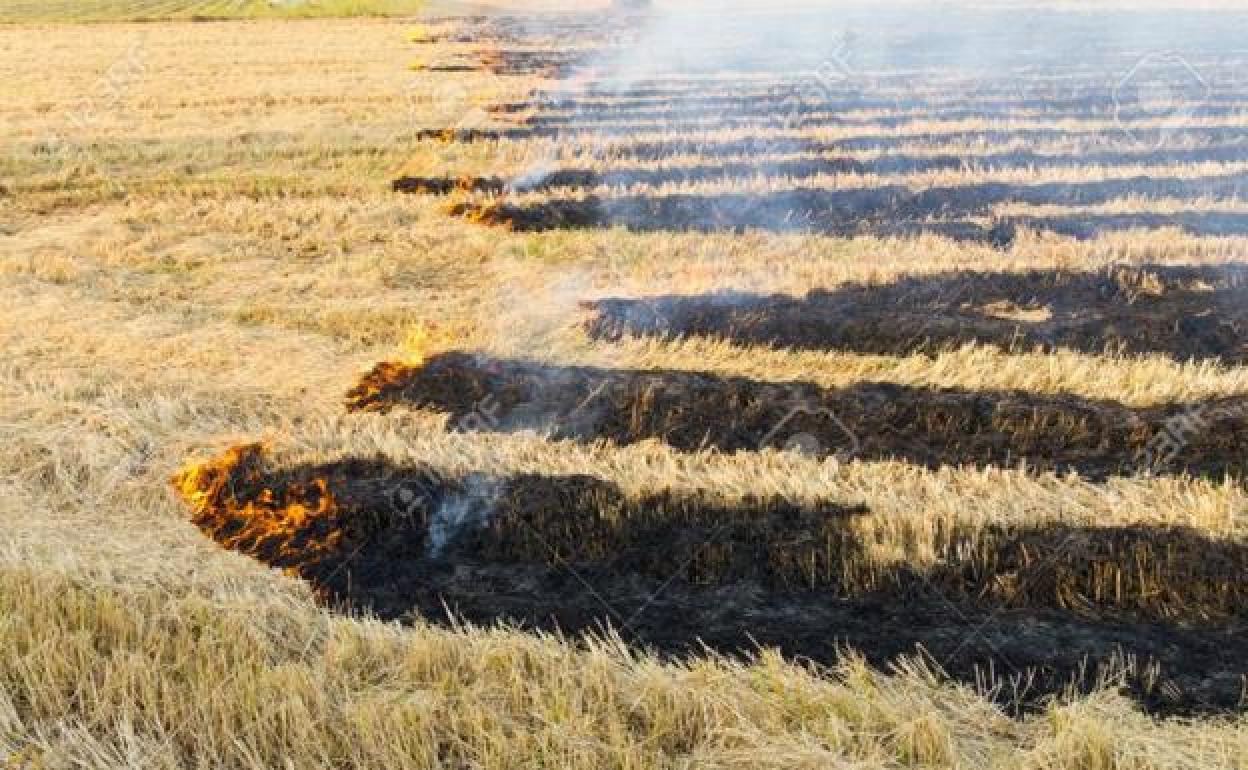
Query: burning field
pixel 647 387
pixel 672 572
pixel 1182 312
pixel 678 145
pixel 724 128
pixel 926 427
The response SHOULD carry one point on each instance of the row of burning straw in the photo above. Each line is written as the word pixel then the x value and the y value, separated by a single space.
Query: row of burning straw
pixel 311 519
pixel 314 519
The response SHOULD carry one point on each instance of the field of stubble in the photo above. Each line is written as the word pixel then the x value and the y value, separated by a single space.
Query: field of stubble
pixel 480 393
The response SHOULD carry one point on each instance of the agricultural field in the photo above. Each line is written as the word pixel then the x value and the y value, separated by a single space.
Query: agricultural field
pixel 784 387
pixel 28 11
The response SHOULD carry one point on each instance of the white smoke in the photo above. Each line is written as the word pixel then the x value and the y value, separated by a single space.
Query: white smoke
pixel 456 514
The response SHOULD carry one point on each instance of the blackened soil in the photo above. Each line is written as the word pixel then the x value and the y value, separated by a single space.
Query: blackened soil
pixel 764 166
pixel 676 573
pixel 1030 654
pixel 963 213
pixel 1187 313
pixel 931 427
pixel 551 63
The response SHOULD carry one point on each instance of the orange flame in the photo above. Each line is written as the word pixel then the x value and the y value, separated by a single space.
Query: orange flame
pixel 369 394
pixel 294 524
pixel 489 213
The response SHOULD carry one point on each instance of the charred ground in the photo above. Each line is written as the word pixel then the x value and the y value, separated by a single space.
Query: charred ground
pixel 980 162
pixel 1047 608
pixel 1186 313
pixel 870 421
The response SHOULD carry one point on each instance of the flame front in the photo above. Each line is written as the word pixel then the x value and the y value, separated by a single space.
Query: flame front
pixel 293 524
pixel 376 390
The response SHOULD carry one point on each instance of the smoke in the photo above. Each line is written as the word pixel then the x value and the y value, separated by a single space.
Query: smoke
pixel 791 71
pixel 446 508
pixel 789 83
pixel 803 75
pixel 469 509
